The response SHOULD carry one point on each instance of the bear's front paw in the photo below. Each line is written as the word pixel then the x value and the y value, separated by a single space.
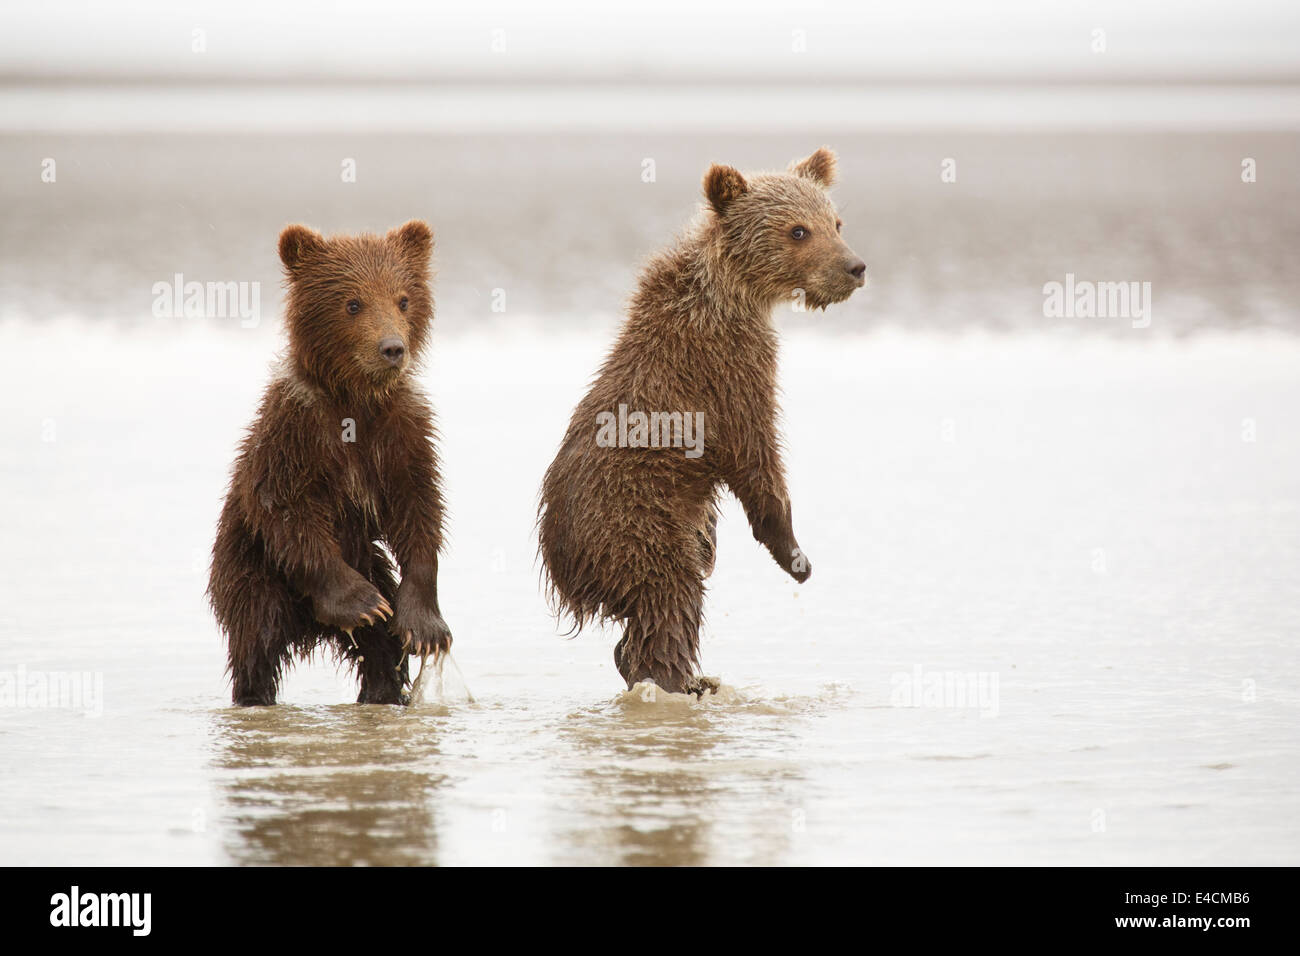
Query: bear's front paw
pixel 798 566
pixel 420 629
pixel 352 606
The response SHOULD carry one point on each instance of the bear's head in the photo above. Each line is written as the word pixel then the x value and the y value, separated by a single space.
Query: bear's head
pixel 359 306
pixel 778 234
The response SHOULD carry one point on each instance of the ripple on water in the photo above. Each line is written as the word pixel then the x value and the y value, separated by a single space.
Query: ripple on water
pixel 646 697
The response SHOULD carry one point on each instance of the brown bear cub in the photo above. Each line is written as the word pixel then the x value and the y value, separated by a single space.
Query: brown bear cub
pixel 339 459
pixel 686 403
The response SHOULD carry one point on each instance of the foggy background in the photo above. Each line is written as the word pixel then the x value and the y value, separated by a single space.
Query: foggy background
pixel 186 137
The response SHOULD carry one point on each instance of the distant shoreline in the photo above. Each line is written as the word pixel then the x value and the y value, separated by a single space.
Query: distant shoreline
pixel 112 104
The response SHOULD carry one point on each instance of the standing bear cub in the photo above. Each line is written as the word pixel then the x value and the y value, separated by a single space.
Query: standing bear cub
pixel 686 403
pixel 339 459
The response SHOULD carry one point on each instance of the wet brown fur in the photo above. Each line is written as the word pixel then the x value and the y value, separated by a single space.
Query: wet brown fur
pixel 298 562
pixel 628 534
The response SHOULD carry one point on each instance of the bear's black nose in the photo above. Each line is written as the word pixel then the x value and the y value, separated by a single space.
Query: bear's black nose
pixel 857 269
pixel 393 350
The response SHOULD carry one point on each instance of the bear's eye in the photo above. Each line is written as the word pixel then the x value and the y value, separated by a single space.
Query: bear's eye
pixel 403 303
pixel 798 232
pixel 354 306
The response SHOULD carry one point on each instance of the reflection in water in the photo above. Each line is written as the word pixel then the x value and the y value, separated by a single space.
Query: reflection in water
pixel 327 785
pixel 662 779
pixel 666 781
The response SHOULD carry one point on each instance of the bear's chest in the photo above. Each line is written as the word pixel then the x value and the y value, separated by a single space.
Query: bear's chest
pixel 356 484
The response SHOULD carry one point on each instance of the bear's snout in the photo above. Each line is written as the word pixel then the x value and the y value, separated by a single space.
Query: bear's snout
pixel 393 350
pixel 858 269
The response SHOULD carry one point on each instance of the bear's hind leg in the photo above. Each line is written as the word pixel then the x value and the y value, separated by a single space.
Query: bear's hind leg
pixel 664 648
pixel 708 537
pixel 662 615
pixel 378 655
pixel 382 664
pixel 264 641
pixel 256 681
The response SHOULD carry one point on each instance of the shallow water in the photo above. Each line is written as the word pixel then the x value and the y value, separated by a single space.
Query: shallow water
pixel 1083 520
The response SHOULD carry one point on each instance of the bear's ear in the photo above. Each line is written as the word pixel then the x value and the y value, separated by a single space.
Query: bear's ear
pixel 723 186
pixel 297 244
pixel 819 167
pixel 415 241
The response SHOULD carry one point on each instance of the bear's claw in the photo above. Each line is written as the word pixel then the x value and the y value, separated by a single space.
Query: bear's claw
pixel 422 632
pixel 382 613
pixel 359 605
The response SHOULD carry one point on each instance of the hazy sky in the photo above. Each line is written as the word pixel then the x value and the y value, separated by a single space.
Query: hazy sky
pixel 660 38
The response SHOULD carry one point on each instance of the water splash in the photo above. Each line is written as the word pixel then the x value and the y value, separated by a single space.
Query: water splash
pixel 434 678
